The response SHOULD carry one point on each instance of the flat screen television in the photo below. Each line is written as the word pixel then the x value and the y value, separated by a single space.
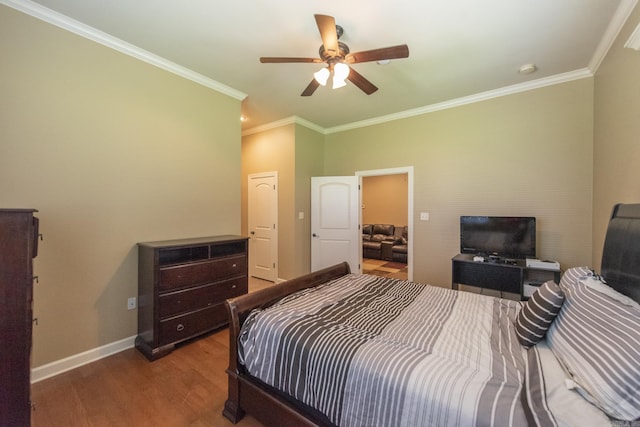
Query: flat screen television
pixel 503 236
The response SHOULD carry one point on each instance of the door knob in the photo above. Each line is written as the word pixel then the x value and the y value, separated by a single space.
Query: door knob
pixel 315 235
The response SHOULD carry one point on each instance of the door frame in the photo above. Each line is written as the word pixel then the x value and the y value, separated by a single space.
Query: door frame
pixel 394 171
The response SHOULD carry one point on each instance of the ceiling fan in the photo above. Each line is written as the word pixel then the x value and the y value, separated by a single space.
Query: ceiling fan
pixel 337 57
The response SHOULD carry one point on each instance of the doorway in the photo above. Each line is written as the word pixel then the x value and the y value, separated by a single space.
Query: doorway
pixel 400 173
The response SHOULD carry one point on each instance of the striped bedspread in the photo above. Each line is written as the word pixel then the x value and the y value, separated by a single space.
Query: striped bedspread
pixel 372 351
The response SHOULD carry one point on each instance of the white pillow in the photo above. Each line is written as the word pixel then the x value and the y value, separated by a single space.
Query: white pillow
pixel 596 337
pixel 599 285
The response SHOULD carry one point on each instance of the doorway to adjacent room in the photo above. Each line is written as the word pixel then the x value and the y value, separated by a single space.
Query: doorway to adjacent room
pixel 387 198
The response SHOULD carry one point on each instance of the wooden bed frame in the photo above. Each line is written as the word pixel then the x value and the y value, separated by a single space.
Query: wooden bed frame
pixel 247 394
pixel 620 268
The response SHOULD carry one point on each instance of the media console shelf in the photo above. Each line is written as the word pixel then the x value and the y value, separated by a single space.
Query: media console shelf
pixel 499 276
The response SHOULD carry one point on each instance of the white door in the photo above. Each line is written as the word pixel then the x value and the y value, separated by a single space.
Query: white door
pixel 263 231
pixel 335 232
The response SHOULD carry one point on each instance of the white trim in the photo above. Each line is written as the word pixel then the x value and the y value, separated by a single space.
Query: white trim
pixel 634 39
pixel 45 14
pixel 615 26
pixel 308 124
pixel 68 363
pixel 483 96
pixel 283 122
pixel 62 21
pixel 396 171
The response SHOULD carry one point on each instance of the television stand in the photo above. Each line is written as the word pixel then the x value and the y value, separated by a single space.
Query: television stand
pixel 501 274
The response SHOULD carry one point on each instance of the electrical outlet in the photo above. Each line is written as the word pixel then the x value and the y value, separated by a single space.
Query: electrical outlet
pixel 131 303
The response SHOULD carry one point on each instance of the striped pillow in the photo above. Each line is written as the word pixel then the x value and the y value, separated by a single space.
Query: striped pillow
pixel 597 340
pixel 538 313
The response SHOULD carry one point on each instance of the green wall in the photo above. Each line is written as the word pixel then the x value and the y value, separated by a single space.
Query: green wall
pixel 528 154
pixel 274 151
pixel 112 151
pixel 309 155
pixel 617 133
pixel 296 153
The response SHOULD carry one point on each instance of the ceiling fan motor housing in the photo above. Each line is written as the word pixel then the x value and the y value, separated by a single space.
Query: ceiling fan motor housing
pixel 326 56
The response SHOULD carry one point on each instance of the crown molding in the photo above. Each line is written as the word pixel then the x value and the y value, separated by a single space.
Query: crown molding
pixel 272 125
pixel 310 125
pixel 483 96
pixel 284 122
pixel 613 30
pixel 615 26
pixel 634 39
pixel 62 21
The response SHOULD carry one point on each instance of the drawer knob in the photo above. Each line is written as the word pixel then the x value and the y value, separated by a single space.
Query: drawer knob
pixel 233 286
pixel 180 327
pixel 234 265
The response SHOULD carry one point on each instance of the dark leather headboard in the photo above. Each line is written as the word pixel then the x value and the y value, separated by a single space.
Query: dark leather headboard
pixel 621 253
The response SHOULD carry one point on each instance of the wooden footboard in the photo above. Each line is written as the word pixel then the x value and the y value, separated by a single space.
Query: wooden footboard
pixel 245 394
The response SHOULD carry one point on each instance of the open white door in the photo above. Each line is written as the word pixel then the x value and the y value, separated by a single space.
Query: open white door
pixel 335 232
pixel 263 218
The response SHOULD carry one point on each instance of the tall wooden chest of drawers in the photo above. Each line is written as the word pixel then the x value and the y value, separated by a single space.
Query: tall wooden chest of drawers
pixel 18 247
pixel 182 286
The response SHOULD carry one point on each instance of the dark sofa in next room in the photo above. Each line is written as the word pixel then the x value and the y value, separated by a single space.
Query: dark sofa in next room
pixel 384 241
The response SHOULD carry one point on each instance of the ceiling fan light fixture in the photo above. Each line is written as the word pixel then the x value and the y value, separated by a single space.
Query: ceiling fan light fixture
pixel 338 57
pixel 322 76
pixel 340 74
pixel 337 83
pixel 341 71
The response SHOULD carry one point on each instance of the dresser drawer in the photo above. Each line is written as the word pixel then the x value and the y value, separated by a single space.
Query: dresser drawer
pixel 191 299
pixel 189 325
pixel 201 272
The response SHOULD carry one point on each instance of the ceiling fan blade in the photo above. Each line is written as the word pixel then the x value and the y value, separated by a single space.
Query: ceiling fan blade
pixel 393 52
pixel 278 60
pixel 358 79
pixel 327 26
pixel 311 88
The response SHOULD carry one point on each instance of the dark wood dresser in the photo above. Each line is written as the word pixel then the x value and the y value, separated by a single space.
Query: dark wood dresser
pixel 182 286
pixel 18 247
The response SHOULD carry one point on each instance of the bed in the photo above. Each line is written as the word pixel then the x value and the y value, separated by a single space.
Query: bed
pixel 335 348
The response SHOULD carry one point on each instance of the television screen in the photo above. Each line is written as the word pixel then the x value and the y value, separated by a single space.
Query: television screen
pixel 512 237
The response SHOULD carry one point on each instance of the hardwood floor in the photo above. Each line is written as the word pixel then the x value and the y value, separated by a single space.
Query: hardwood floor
pixel 396 270
pixel 188 387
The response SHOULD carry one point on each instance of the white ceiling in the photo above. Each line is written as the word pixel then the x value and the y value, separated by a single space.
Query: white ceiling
pixel 458 49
